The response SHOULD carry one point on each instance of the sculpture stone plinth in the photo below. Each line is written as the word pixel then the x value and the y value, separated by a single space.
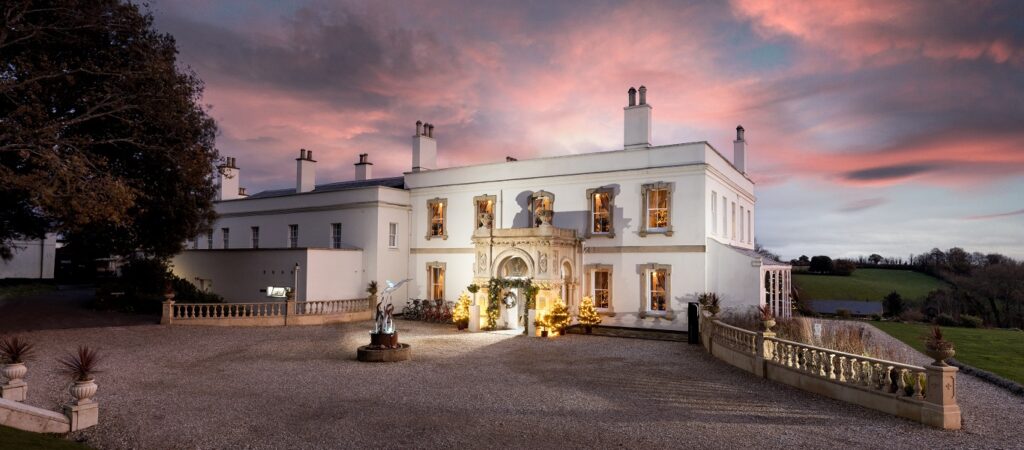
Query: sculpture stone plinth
pixel 369 353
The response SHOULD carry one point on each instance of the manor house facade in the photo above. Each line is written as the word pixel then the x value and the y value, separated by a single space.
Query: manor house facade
pixel 642 229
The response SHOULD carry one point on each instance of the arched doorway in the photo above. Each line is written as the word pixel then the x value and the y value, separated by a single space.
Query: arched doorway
pixel 513 268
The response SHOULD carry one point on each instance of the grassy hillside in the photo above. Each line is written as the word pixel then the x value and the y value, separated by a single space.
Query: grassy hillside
pixel 866 284
pixel 998 351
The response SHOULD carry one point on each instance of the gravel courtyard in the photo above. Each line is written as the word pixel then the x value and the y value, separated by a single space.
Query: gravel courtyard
pixel 300 387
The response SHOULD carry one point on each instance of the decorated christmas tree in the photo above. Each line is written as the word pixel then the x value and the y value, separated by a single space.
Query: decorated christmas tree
pixel 588 316
pixel 558 317
pixel 460 316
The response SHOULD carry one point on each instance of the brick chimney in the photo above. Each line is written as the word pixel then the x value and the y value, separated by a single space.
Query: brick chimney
pixel 739 151
pixel 637 120
pixel 305 171
pixel 229 173
pixel 424 148
pixel 364 168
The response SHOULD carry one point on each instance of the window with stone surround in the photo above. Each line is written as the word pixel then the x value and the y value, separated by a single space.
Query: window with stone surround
pixel 437 216
pixel 732 228
pixel 335 235
pixel 392 235
pixel 743 223
pixel 255 237
pixel 226 232
pixel 602 212
pixel 750 228
pixel 541 201
pixel 209 240
pixel 483 204
pixel 656 288
pixel 657 209
pixel 435 276
pixel 293 236
pixel 714 213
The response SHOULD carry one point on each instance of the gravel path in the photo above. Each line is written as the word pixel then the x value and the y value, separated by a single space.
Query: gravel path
pixel 300 387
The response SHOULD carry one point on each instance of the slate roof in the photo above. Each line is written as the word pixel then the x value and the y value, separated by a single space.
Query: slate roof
pixel 393 182
pixel 755 255
pixel 855 307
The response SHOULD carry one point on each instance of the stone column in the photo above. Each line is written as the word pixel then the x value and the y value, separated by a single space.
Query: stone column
pixel 83 414
pixel 289 306
pixel 940 408
pixel 15 389
pixel 762 354
pixel 531 326
pixel 474 318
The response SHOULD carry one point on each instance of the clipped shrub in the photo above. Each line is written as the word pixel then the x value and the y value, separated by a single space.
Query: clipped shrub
pixel 876 317
pixel 912 315
pixel 945 320
pixel 843 313
pixel 970 321
pixel 892 305
pixel 843 267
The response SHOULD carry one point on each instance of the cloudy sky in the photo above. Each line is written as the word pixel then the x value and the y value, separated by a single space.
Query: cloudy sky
pixel 889 127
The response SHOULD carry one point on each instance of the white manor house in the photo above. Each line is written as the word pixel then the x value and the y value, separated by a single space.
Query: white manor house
pixel 642 229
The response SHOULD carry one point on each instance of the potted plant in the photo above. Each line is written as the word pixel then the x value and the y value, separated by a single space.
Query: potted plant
pixel 14 352
pixel 473 289
pixel 767 317
pixel 710 302
pixel 587 315
pixel 938 347
pixel 81 366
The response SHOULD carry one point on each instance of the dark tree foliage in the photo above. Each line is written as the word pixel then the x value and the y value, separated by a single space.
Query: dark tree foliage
pixel 843 267
pixel 821 264
pixel 875 258
pixel 893 305
pixel 102 136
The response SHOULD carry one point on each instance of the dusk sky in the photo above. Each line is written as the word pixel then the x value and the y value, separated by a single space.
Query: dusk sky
pixel 890 128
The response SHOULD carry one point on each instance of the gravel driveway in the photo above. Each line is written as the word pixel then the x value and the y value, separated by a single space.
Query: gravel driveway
pixel 300 387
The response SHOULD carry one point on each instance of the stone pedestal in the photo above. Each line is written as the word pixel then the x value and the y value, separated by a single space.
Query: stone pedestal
pixel 369 353
pixel 14 390
pixel 474 318
pixel 531 326
pixel 83 415
pixel 940 408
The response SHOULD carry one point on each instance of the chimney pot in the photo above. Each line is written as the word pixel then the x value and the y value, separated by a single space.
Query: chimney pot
pixel 643 95
pixel 424 151
pixel 419 128
pixel 430 131
pixel 739 132
pixel 309 155
pixel 739 150
pixel 632 97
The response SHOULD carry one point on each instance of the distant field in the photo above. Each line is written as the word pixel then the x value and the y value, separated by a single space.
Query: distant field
pixel 866 284
pixel 998 351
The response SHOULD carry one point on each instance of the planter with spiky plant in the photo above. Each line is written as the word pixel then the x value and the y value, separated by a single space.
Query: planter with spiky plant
pixel 80 367
pixel 371 289
pixel 14 352
pixel 710 302
pixel 938 347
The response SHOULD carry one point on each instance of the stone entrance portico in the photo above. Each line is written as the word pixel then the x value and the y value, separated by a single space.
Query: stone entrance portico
pixel 546 254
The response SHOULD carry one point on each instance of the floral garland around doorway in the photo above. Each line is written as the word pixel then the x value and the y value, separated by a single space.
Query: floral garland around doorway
pixel 495 288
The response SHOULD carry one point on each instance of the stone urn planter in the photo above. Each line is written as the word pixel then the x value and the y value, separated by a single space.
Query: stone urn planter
pixel 940 352
pixel 83 391
pixel 768 324
pixel 14 372
pixel 485 220
pixel 545 216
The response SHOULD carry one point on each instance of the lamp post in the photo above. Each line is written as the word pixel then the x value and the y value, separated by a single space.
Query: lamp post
pixel 295 283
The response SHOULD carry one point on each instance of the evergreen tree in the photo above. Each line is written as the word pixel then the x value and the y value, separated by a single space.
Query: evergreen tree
pixel 588 313
pixel 460 316
pixel 558 317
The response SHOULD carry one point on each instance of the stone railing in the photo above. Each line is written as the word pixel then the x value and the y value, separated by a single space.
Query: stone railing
pixel 80 414
pixel 290 312
pixel 924 394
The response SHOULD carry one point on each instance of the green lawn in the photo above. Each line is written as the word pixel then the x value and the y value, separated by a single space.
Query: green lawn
pixel 998 351
pixel 866 284
pixel 23 289
pixel 13 438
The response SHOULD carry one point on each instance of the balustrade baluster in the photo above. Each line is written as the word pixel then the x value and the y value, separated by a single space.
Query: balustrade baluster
pixel 919 384
pixel 840 368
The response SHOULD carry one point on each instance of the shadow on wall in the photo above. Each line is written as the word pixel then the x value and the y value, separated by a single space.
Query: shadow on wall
pixel 578 220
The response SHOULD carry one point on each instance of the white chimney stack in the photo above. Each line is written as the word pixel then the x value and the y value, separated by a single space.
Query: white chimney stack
pixel 229 173
pixel 638 120
pixel 424 148
pixel 305 171
pixel 364 168
pixel 739 151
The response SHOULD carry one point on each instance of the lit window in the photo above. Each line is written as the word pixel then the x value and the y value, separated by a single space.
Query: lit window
pixel 602 292
pixel 657 290
pixel 484 204
pixel 293 236
pixel 436 274
pixel 600 207
pixel 255 237
pixel 714 212
pixel 542 204
pixel 436 218
pixel 227 237
pixel 393 235
pixel 335 235
pixel 657 201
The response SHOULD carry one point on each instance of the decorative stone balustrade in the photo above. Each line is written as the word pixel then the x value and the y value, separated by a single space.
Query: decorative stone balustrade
pixel 316 312
pixel 924 394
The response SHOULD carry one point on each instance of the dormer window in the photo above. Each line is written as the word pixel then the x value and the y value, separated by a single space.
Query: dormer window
pixel 542 208
pixel 657 209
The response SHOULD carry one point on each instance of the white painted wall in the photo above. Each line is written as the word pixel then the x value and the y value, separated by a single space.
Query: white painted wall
pixel 736 277
pixel 239 275
pixel 32 259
